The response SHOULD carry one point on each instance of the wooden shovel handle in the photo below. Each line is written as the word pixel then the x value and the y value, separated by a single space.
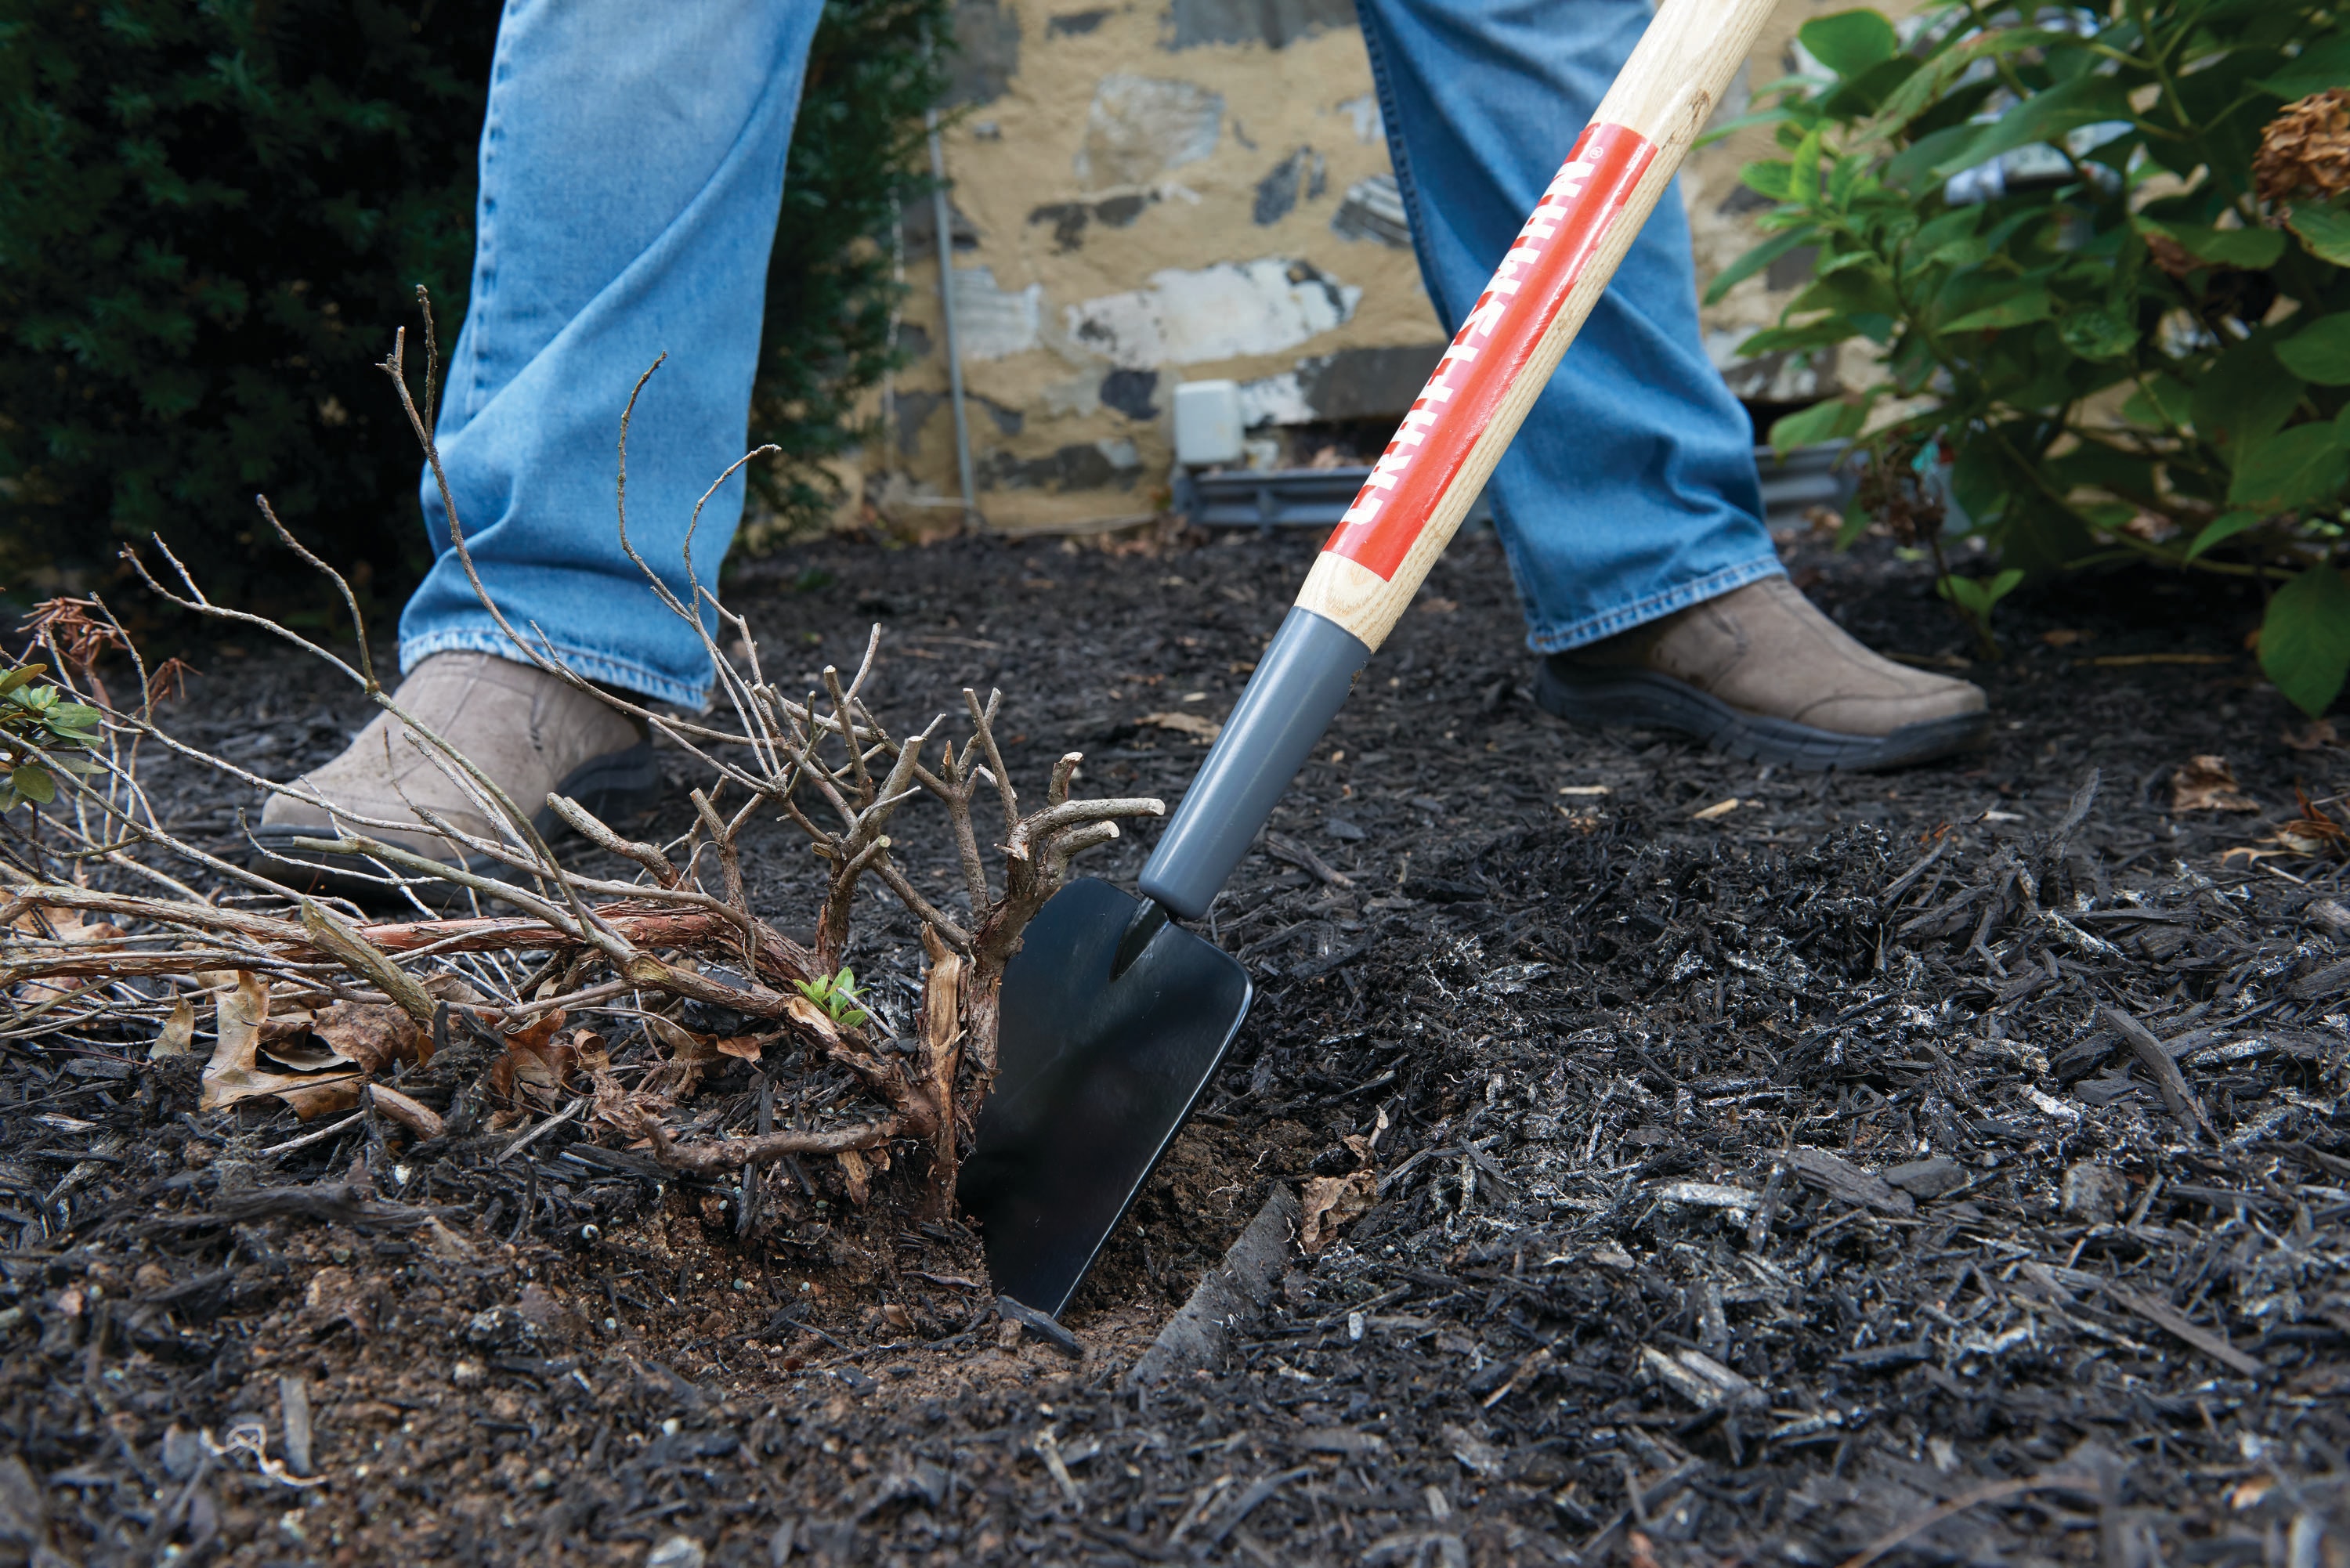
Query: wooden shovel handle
pixel 1504 354
pixel 1455 433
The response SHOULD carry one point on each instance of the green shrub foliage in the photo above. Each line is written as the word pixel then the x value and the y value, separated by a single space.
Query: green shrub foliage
pixel 214 213
pixel 2138 346
pixel 212 216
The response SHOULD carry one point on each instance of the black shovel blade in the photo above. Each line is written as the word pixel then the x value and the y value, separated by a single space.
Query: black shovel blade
pixel 1095 1074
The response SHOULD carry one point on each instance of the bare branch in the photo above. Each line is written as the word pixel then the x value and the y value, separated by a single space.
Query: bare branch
pixel 734 1153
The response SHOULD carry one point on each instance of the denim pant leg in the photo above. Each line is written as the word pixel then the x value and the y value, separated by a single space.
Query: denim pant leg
pixel 632 165
pixel 1631 490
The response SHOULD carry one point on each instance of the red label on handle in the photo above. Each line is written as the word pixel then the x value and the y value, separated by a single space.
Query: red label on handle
pixel 1527 292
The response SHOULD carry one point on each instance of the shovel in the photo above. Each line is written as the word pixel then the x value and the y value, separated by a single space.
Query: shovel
pixel 1115 1017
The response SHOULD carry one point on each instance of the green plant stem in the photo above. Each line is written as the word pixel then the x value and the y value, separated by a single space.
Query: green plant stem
pixel 2124 540
pixel 2155 53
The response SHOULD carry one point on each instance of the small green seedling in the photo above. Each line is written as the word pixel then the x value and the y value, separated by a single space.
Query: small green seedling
pixel 36 723
pixel 1975 598
pixel 837 995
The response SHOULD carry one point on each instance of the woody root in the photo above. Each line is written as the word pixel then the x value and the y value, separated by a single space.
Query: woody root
pixel 597 978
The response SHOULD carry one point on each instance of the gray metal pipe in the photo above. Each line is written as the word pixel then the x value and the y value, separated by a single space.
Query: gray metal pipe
pixel 941 216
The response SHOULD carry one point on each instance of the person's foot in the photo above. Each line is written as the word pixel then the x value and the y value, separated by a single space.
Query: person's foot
pixel 1759 673
pixel 531 733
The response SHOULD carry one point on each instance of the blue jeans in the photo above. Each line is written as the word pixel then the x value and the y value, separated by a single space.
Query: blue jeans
pixel 632 166
pixel 1630 490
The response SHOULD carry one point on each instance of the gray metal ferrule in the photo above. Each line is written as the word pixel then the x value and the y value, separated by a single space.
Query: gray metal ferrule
pixel 1300 680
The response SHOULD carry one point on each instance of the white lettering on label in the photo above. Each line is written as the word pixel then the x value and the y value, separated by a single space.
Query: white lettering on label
pixel 1524 254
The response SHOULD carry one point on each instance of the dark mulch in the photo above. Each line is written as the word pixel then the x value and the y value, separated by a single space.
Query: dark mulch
pixel 1756 1184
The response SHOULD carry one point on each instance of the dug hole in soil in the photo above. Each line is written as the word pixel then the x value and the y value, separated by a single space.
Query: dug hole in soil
pixel 1746 1167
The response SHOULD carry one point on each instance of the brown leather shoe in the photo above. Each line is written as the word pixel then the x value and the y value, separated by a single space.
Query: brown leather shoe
pixel 1759 673
pixel 523 728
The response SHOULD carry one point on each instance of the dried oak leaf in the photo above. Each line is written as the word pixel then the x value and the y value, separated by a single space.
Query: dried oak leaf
pixel 239 1011
pixel 853 1171
pixel 2305 149
pixel 2208 783
pixel 688 1055
pixel 537 1069
pixel 625 1110
pixel 1198 726
pixel 2316 735
pixel 452 988
pixel 179 1031
pixel 47 925
pixel 1326 1202
pixel 377 1036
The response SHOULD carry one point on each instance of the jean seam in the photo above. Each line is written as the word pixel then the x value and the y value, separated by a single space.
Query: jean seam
pixel 1598 627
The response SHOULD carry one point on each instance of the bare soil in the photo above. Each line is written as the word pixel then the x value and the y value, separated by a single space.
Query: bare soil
pixel 1765 1182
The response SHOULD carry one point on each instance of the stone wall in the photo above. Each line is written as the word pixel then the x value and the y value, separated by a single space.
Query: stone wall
pixel 1191 189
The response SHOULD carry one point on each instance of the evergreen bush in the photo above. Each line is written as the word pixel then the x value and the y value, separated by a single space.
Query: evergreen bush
pixel 214 213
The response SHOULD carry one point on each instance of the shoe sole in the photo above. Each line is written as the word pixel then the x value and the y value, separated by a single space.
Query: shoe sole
pixel 1645 700
pixel 617 786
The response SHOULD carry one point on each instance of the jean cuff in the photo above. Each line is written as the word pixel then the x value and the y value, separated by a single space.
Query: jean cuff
pixel 1606 623
pixel 602 668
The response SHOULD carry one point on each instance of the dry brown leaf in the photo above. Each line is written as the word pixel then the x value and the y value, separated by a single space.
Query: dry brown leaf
pixel 233 1074
pixel 1329 1201
pixel 535 1035
pixel 595 1054
pixel 624 1110
pixel 51 925
pixel 2315 832
pixel 2208 783
pixel 280 1026
pixel 375 1036
pixel 1198 726
pixel 537 1069
pixel 322 1096
pixel 452 988
pixel 684 1044
pixel 179 1031
pixel 852 1168
pixel 745 1046
pixel 813 1019
pixel 688 1055
pixel 302 1054
pixel 2318 733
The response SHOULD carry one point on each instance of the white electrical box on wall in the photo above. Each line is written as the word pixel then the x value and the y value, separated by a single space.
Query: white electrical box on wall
pixel 1207 424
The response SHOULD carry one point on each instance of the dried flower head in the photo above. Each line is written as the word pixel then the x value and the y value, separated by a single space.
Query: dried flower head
pixel 66 627
pixel 2305 149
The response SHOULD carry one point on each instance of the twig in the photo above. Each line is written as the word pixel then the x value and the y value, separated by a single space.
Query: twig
pixel 307 1138
pixel 417 1117
pixel 540 1131
pixel 1957 1505
pixel 734 1153
pixel 2184 1108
